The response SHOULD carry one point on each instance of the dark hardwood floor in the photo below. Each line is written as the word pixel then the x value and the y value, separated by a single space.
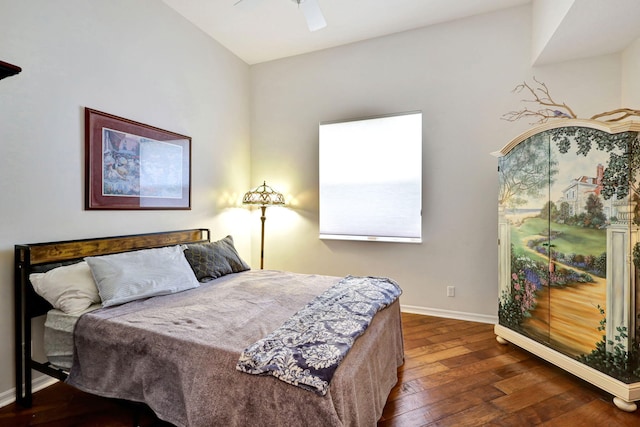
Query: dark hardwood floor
pixel 455 374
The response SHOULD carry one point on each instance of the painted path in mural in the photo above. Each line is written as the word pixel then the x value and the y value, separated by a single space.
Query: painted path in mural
pixel 569 315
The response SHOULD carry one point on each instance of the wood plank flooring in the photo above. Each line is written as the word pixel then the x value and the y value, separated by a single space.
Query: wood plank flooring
pixel 455 374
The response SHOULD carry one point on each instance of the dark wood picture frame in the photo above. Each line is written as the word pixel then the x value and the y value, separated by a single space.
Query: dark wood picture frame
pixel 7 69
pixel 130 165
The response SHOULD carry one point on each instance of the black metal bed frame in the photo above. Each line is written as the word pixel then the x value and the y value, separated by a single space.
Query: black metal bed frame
pixel 29 305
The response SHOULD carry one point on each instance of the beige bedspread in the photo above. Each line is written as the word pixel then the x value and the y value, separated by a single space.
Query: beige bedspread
pixel 178 354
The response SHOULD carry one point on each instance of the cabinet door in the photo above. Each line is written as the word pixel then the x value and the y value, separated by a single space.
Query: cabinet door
pixel 578 220
pixel 524 241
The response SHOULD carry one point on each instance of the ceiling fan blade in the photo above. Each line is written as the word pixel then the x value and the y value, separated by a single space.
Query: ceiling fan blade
pixel 313 14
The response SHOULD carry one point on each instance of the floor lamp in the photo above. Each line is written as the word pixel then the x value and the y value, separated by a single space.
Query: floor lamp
pixel 263 196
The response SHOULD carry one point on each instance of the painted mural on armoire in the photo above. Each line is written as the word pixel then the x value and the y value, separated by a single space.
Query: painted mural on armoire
pixel 567 233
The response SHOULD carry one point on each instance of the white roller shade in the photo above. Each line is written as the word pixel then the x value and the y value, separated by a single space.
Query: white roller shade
pixel 371 178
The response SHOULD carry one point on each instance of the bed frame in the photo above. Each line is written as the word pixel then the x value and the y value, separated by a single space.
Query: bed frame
pixel 30 258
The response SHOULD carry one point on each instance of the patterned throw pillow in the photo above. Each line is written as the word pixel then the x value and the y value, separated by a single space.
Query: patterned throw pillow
pixel 212 260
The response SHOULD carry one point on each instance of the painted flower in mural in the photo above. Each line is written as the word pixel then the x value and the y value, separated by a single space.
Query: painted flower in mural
pixel 524 290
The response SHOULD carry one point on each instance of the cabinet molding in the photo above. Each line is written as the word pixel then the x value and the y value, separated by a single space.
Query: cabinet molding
pixel 627 392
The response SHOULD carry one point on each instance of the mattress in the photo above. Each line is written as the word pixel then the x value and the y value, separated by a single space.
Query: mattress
pixel 58 336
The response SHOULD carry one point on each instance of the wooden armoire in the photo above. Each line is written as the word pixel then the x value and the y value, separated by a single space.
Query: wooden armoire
pixel 569 250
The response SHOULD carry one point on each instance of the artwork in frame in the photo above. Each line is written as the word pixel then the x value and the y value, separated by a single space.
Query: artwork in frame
pixel 130 165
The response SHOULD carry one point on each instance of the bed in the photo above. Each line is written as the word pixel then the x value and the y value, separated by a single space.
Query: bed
pixel 179 353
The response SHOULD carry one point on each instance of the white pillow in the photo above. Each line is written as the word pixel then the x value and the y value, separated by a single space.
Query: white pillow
pixel 70 288
pixel 129 276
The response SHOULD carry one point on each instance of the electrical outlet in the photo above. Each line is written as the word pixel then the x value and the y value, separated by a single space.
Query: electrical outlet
pixel 451 291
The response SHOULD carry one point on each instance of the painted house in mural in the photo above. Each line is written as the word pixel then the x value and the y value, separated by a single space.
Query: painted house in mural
pixel 577 193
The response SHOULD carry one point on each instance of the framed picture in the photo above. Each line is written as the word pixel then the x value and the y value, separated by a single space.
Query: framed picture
pixel 130 165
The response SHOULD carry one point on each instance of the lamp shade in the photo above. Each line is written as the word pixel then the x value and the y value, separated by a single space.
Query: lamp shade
pixel 263 195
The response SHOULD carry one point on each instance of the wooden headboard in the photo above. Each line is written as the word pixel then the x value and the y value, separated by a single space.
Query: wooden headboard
pixel 28 304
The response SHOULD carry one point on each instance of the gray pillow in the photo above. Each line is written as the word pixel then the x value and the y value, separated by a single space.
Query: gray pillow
pixel 129 276
pixel 215 259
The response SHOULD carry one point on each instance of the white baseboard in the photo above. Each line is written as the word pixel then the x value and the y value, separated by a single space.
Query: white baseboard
pixel 449 314
pixel 9 396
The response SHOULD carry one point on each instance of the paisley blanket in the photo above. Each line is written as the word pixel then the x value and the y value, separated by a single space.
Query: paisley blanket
pixel 308 348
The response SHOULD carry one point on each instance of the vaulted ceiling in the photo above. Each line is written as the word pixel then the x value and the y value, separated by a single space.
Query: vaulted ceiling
pixel 264 30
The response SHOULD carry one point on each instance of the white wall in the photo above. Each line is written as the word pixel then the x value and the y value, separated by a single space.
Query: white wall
pixel 135 59
pixel 460 74
pixel 547 16
pixel 630 73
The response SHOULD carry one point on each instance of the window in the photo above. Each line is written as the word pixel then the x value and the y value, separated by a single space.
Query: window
pixel 371 178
